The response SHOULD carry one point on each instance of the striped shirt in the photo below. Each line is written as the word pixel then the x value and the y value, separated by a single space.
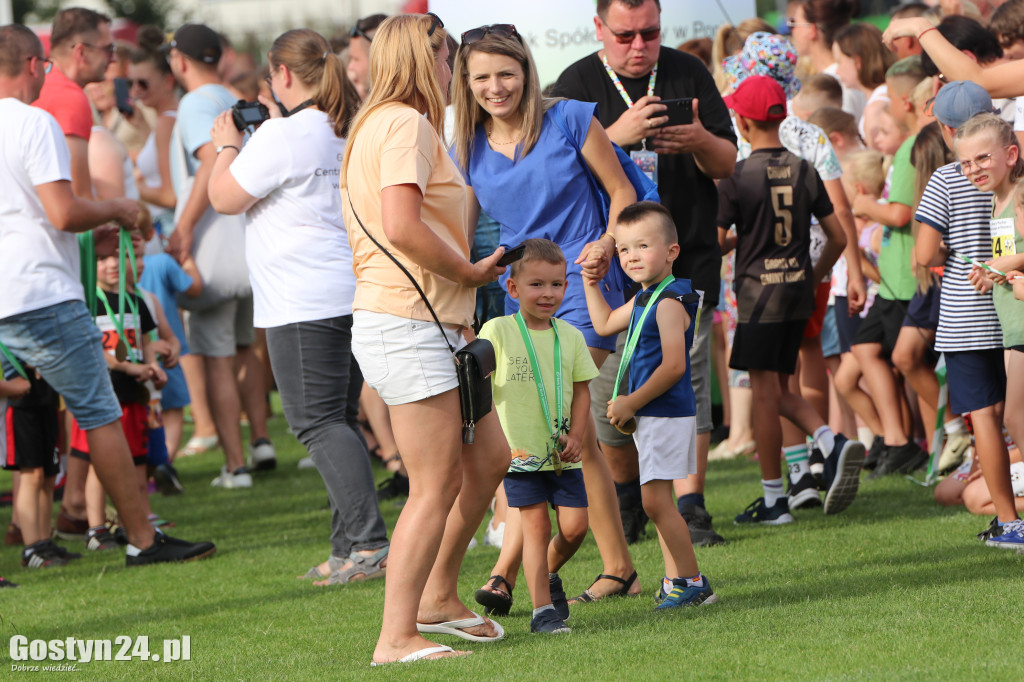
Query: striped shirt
pixel 960 213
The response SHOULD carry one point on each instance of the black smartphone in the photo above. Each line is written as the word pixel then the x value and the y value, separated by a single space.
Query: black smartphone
pixel 679 112
pixel 122 99
pixel 511 255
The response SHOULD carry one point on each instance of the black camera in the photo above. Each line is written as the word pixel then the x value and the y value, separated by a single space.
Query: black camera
pixel 246 114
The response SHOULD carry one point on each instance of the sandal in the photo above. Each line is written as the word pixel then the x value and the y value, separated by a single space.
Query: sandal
pixel 333 563
pixel 362 568
pixel 496 601
pixel 588 596
pixel 197 446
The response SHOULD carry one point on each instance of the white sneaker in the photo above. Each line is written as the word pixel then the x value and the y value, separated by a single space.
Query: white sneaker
pixel 240 478
pixel 493 536
pixel 262 456
pixel 953 453
pixel 306 463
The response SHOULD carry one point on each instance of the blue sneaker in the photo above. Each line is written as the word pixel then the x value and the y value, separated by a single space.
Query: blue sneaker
pixel 1012 536
pixel 660 595
pixel 681 595
pixel 547 622
pixel 558 599
pixel 842 473
pixel 758 512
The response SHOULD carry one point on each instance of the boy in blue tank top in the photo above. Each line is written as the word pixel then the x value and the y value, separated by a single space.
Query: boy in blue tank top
pixel 659 408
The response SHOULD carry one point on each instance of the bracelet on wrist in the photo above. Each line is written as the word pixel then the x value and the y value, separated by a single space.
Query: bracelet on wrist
pixel 930 28
pixel 228 146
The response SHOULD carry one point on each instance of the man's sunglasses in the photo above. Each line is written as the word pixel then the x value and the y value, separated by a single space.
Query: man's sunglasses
pixel 627 37
pixel 475 35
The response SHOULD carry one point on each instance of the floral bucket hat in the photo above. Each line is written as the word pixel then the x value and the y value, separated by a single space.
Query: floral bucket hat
pixel 764 54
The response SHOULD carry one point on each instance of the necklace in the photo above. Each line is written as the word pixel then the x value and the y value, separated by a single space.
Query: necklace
pixel 513 141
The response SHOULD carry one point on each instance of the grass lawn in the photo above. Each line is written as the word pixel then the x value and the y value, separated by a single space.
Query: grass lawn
pixel 894 588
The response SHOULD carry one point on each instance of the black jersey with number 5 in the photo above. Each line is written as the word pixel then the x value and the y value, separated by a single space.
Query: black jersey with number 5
pixel 770 198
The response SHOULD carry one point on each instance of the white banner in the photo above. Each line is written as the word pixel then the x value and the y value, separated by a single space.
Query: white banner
pixel 559 32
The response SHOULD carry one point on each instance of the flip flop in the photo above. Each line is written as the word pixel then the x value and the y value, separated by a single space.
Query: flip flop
pixel 457 628
pixel 422 655
pixel 587 597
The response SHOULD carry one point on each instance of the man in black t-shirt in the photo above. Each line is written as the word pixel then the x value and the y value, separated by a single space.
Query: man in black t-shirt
pixel 627 79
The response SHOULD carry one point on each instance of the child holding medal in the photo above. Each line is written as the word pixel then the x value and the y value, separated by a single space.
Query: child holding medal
pixel 542 398
pixel 659 407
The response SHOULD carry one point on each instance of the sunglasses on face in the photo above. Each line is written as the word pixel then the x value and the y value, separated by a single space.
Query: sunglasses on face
pixel 627 37
pixel 475 35
pixel 141 83
pixel 434 24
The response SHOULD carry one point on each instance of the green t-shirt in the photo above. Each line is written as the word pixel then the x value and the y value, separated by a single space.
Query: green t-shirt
pixel 898 281
pixel 515 392
pixel 1008 308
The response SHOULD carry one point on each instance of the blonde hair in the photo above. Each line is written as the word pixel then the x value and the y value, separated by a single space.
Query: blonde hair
pixel 1001 131
pixel 928 154
pixel 468 112
pixel 729 40
pixel 867 167
pixel 403 69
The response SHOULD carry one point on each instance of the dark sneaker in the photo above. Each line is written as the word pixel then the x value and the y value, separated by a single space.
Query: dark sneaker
pixel 167 549
pixel 558 599
pixel 900 459
pixel 993 530
pixel 634 518
pixel 758 512
pixel 816 461
pixel 804 493
pixel 396 486
pixel 41 555
pixel 874 453
pixel 1010 537
pixel 71 529
pixel 681 595
pixel 547 622
pixel 842 473
pixel 702 533
pixel 63 553
pixel 166 478
pixel 4 582
pixel 100 541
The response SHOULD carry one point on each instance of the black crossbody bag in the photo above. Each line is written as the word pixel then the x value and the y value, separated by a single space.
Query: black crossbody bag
pixel 474 362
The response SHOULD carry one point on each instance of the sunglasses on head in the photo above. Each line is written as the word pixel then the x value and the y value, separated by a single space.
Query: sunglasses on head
pixel 358 32
pixel 626 37
pixel 475 35
pixel 434 24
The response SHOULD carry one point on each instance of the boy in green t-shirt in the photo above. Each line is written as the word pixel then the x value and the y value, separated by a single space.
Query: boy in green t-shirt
pixel 544 421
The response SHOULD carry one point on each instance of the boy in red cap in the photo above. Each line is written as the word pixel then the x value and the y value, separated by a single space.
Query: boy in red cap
pixel 770 198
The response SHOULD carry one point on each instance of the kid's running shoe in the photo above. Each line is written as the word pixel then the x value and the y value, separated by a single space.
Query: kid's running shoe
pixel 558 599
pixel 1012 536
pixel 42 554
pixel 101 540
pixel 547 622
pixel 842 473
pixel 804 493
pixel 758 512
pixel 681 595
pixel 166 549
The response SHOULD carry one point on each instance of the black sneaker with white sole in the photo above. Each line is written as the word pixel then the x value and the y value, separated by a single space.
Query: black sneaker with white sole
pixel 166 478
pixel 698 521
pixel 42 554
pixel 167 549
pixel 842 473
pixel 804 493
pixel 759 512
pixel 100 540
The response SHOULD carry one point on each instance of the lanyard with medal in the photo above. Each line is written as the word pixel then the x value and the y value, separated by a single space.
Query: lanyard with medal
pixel 632 339
pixel 559 426
pixel 646 160
pixel 123 350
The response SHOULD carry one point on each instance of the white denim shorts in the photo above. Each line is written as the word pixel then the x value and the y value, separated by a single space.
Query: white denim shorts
pixel 404 360
pixel 667 447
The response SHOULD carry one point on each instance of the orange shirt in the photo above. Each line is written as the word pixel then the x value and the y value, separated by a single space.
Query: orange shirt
pixel 397 146
pixel 67 102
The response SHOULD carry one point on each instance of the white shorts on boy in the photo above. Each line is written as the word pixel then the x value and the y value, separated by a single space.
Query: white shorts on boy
pixel 667 447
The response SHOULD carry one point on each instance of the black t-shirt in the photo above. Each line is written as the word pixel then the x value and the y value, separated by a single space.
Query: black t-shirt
pixel 41 394
pixel 770 198
pixel 126 388
pixel 685 191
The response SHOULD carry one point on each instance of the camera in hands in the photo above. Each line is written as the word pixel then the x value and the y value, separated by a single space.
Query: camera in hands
pixel 246 114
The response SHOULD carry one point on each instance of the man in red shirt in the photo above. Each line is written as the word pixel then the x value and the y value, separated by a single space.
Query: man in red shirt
pixel 81 47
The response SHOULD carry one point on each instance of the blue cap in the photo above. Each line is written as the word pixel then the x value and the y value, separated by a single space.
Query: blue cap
pixel 959 101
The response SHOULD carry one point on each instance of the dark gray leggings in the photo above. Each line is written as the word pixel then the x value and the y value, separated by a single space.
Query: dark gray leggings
pixel 319 381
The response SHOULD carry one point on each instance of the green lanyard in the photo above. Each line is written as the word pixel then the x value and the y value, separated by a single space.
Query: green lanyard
pixel 558 426
pixel 118 321
pixel 633 333
pixel 14 363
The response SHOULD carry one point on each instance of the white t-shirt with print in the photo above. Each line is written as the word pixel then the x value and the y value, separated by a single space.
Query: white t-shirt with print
pixel 296 246
pixel 40 263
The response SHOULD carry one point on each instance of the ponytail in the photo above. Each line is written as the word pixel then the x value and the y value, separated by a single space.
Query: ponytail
pixel 336 96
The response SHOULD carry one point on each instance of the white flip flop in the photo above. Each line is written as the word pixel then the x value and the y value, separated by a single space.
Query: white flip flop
pixel 457 628
pixel 417 655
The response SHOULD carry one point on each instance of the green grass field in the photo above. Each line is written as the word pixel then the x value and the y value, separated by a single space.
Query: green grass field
pixel 894 588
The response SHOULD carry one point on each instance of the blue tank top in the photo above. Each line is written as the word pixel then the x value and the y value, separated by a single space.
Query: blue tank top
pixel 678 401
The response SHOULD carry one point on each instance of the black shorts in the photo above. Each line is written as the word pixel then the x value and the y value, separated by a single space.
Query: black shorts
pixel 923 311
pixel 31 434
pixel 770 346
pixel 882 324
pixel 846 326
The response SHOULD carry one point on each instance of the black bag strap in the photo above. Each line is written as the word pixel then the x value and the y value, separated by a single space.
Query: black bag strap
pixel 407 274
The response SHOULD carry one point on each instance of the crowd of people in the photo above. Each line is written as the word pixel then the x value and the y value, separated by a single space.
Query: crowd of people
pixel 829 211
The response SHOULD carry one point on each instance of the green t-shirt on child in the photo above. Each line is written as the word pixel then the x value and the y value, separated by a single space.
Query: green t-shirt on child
pixel 898 281
pixel 1008 308
pixel 515 393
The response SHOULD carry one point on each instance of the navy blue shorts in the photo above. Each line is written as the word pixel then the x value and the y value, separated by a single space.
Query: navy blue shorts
pixel 976 379
pixel 846 326
pixel 923 310
pixel 535 487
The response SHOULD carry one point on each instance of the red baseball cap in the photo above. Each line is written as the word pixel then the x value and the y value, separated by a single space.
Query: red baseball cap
pixel 760 98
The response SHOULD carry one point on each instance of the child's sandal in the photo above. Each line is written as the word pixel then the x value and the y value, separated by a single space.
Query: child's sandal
pixel 498 602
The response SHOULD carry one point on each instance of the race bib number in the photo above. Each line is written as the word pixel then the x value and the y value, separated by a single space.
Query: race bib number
pixel 647 162
pixel 1002 233
pixel 111 339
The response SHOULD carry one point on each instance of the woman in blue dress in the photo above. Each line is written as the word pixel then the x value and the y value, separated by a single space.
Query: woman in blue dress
pixel 525 172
